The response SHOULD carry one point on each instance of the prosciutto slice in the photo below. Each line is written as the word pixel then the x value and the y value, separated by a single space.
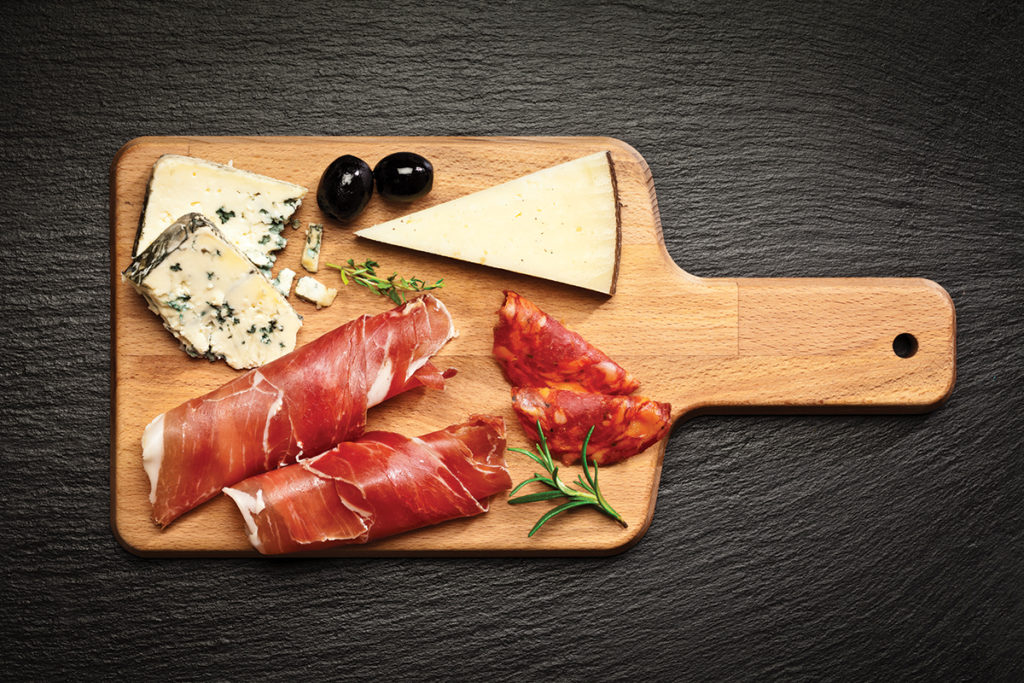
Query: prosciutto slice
pixel 535 350
pixel 623 425
pixel 379 485
pixel 300 404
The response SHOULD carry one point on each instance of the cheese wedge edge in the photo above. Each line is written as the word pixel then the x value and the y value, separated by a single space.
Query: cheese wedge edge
pixel 561 223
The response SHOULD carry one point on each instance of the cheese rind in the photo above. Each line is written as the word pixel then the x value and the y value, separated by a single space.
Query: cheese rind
pixel 315 292
pixel 311 252
pixel 211 297
pixel 250 209
pixel 560 223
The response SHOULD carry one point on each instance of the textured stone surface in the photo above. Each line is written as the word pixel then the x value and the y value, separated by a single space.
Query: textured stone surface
pixel 784 141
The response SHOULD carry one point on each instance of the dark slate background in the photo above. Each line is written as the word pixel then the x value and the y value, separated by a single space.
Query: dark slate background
pixel 785 140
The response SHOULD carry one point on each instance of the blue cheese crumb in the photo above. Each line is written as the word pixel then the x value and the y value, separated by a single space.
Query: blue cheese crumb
pixel 311 252
pixel 283 281
pixel 315 292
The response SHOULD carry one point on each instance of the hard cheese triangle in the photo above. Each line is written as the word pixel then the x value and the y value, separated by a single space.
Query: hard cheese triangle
pixel 560 223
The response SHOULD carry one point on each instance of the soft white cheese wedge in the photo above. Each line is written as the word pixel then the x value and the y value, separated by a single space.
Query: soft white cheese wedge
pixel 250 209
pixel 211 297
pixel 311 252
pixel 560 223
pixel 315 292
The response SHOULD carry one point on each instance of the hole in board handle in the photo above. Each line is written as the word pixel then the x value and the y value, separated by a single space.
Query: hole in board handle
pixel 904 345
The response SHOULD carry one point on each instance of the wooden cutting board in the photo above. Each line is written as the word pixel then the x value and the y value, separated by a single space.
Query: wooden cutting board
pixel 705 345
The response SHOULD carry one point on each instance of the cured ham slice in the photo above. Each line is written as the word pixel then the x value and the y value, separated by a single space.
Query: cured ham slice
pixel 379 485
pixel 300 404
pixel 623 425
pixel 535 350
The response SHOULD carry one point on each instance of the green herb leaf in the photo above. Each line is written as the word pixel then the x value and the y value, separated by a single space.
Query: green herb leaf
pixel 556 511
pixel 532 497
pixel 535 477
pixel 590 494
pixel 365 274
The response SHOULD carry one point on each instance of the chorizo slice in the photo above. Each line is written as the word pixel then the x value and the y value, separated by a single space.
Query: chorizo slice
pixel 623 425
pixel 535 350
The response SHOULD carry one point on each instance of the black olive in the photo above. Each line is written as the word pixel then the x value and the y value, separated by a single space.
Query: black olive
pixel 345 187
pixel 403 176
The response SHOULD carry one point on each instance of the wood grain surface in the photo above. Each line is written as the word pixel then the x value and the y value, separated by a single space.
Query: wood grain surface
pixel 700 344
pixel 785 139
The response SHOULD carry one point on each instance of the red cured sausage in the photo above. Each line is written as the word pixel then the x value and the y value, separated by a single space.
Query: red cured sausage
pixel 380 485
pixel 623 425
pixel 535 350
pixel 300 404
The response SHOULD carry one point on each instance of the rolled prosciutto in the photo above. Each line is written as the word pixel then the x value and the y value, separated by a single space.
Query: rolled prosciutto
pixel 376 486
pixel 623 425
pixel 535 350
pixel 298 405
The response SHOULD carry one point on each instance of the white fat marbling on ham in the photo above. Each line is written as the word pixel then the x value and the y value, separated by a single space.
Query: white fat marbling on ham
pixel 153 452
pixel 248 505
pixel 364 512
pixel 414 368
pixel 382 383
pixel 462 491
pixel 274 409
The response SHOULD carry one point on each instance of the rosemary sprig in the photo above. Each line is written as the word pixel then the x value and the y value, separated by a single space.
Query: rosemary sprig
pixel 590 495
pixel 365 274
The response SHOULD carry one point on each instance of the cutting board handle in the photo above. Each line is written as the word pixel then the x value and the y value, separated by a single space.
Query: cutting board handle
pixel 837 345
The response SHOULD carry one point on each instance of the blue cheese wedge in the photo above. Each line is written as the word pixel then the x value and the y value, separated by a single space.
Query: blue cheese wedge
pixel 251 210
pixel 283 281
pixel 560 223
pixel 315 292
pixel 311 252
pixel 211 297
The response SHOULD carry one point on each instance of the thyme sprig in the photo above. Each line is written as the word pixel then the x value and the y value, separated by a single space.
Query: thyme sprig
pixel 590 495
pixel 365 274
